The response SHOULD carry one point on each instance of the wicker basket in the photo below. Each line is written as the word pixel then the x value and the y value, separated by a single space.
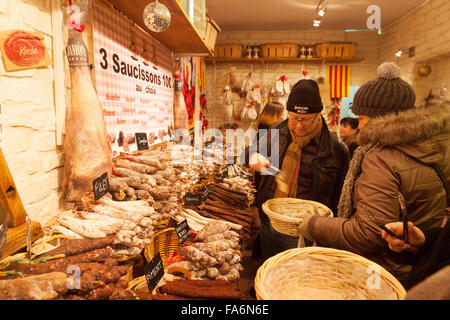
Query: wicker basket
pixel 164 224
pixel 165 242
pixel 289 224
pixel 316 273
pixel 231 50
pixel 279 50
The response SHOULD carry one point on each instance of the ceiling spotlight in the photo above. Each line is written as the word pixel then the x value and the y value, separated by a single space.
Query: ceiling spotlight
pixel 399 53
pixel 316 23
pixel 321 8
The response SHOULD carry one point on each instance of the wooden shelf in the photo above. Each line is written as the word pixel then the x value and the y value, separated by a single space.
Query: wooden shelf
pixel 180 37
pixel 284 60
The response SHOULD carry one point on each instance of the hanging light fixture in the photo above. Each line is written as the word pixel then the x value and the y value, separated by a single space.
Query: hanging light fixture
pixel 321 9
pixel 399 53
pixel 156 16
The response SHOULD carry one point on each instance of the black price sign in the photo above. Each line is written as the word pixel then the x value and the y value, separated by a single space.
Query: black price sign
pixel 141 140
pixel 154 271
pixel 205 193
pixel 183 231
pixel 219 178
pixel 225 172
pixel 100 186
pixel 193 199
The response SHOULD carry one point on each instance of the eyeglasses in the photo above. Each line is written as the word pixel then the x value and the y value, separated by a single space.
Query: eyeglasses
pixel 303 121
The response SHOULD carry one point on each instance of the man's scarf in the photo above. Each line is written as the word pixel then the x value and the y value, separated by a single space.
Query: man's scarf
pixel 292 160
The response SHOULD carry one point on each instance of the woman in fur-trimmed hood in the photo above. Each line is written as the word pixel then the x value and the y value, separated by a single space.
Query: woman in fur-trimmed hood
pixel 398 145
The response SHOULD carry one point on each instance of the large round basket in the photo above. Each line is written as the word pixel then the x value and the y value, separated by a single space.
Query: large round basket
pixel 316 273
pixel 286 214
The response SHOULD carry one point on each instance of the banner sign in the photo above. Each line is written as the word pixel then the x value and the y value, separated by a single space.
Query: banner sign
pixel 136 94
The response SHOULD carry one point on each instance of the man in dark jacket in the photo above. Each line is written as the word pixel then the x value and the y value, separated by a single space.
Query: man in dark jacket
pixel 312 158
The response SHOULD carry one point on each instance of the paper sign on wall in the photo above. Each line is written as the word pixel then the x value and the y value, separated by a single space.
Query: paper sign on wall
pixel 136 92
pixel 23 50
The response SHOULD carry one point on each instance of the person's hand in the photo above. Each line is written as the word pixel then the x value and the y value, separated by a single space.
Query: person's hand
pixel 258 162
pixel 303 226
pixel 415 235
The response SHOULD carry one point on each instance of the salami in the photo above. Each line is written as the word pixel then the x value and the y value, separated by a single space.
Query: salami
pixel 40 287
pixel 70 247
pixel 61 264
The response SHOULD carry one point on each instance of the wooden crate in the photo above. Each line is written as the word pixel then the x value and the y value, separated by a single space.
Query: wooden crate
pixel 325 50
pixel 338 49
pixel 349 49
pixel 229 50
pixel 279 50
pixel 321 49
pixel 16 238
pixel 11 205
pixel 212 29
pixel 335 49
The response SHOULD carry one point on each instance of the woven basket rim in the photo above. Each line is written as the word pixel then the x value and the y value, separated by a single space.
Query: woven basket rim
pixel 288 219
pixel 272 262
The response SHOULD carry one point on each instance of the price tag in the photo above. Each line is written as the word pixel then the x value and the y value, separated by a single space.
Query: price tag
pixel 193 199
pixel 219 178
pixel 154 271
pixel 205 193
pixel 141 140
pixel 225 172
pixel 100 186
pixel 183 231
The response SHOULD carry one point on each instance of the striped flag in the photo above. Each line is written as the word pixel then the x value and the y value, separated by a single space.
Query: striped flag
pixel 339 80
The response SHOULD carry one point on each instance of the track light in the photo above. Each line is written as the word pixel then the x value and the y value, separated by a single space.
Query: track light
pixel 399 53
pixel 321 8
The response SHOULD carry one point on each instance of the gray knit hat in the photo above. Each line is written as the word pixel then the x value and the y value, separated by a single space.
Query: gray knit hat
pixel 387 94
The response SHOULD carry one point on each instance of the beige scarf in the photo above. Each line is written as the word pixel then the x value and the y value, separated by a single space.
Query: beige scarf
pixel 292 160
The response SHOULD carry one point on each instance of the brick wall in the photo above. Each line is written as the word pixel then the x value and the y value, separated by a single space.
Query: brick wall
pixel 428 30
pixel 28 116
pixel 267 73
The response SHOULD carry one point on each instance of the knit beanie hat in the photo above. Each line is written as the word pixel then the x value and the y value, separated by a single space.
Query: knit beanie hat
pixel 305 97
pixel 387 94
